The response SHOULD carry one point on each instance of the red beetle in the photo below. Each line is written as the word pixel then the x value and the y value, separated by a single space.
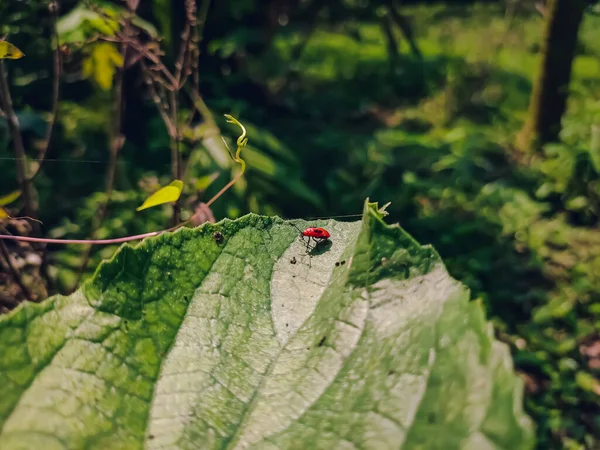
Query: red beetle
pixel 317 233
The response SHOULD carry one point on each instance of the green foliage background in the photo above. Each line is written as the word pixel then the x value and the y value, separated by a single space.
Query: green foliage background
pixel 332 119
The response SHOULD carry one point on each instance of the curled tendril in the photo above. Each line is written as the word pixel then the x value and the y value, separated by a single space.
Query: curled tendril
pixel 241 141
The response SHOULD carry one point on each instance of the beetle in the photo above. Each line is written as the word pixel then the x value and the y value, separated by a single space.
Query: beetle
pixel 317 234
pixel 218 236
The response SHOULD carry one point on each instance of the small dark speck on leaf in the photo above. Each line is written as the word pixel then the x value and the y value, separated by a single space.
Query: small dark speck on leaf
pixel 342 262
pixel 218 237
pixel 321 342
pixel 337 263
pixel 293 260
pixel 391 372
pixel 286 324
pixel 151 436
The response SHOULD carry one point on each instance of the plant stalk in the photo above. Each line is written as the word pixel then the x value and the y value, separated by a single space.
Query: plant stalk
pixel 14 272
pixel 18 146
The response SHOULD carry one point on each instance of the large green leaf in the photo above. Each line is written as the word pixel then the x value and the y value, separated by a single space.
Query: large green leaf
pixel 249 342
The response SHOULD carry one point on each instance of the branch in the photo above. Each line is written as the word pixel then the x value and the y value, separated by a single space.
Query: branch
pixel 182 58
pixel 57 70
pixel 158 103
pixel 117 143
pixel 120 38
pixel 18 146
pixel 197 39
pixel 15 273
pixel 405 26
pixel 175 155
pixel 182 71
pixel 81 241
pixel 392 45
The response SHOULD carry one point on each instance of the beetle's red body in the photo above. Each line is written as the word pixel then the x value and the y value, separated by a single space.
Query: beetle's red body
pixel 316 233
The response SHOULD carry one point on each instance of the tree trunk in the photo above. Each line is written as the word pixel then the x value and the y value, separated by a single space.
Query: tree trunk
pixel 550 90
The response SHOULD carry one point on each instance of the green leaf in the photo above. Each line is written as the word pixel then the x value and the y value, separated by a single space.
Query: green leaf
pixel 204 182
pixel 167 194
pixel 82 23
pixel 250 342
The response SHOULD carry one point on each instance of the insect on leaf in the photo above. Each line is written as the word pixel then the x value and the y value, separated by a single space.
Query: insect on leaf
pixel 9 198
pixel 167 194
pixel 9 51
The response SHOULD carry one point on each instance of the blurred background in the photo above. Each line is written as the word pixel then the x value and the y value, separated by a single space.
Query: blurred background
pixel 478 120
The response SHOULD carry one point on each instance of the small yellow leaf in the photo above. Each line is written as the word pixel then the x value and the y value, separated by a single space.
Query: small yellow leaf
pixel 102 63
pixel 9 198
pixel 3 214
pixel 167 194
pixel 9 51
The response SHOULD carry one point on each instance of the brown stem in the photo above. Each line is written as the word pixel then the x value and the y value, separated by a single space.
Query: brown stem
pixel 15 272
pixel 197 39
pixel 117 143
pixel 158 103
pixel 56 74
pixel 174 142
pixel 120 38
pixel 183 51
pixel 175 155
pixel 224 188
pixel 181 75
pixel 57 70
pixel 18 146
